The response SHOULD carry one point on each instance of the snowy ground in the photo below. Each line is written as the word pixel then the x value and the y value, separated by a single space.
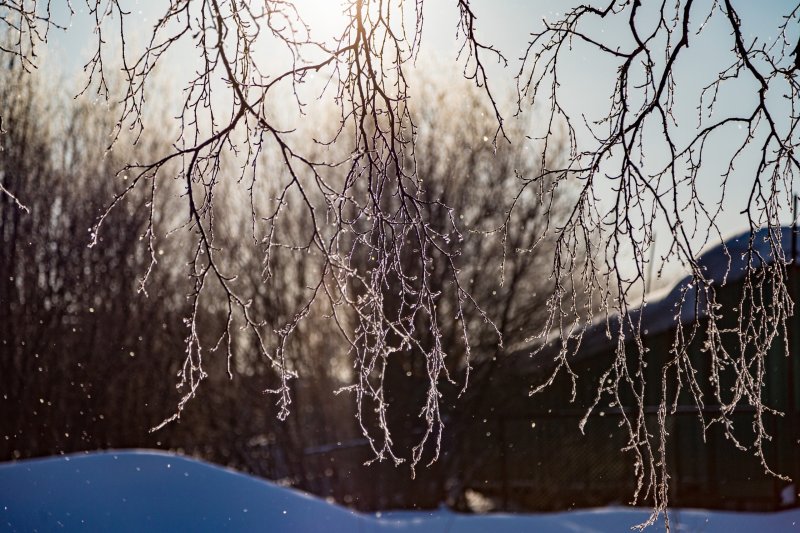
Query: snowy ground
pixel 148 491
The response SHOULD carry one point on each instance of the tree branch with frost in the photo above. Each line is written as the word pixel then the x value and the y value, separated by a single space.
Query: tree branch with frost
pixel 611 151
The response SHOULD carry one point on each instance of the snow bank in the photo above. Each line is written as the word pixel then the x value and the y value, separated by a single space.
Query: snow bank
pixel 722 264
pixel 151 491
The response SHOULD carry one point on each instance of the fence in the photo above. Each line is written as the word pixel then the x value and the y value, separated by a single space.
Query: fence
pixel 542 462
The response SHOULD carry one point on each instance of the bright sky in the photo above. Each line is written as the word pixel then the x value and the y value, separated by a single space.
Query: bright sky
pixel 586 81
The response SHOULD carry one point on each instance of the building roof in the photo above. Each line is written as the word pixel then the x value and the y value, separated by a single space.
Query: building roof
pixel 722 264
pixel 725 263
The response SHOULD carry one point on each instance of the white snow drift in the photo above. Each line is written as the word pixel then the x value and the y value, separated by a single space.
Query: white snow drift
pixel 151 491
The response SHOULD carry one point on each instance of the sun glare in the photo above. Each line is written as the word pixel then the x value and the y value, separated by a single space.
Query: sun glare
pixel 326 19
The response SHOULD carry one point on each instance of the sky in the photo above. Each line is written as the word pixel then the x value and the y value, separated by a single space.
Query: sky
pixel 587 79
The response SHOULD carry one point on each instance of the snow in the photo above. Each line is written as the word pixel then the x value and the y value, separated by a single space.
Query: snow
pixel 154 491
pixel 722 264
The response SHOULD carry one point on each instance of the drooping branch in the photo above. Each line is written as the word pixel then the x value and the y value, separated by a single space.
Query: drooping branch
pixel 636 154
pixel 369 217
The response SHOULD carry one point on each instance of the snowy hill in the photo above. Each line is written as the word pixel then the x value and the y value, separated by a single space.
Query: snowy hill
pixel 152 491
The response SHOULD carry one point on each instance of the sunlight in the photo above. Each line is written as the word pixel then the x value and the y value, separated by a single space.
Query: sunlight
pixel 326 19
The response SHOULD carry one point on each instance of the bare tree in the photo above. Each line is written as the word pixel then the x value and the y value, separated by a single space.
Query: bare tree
pixel 83 348
pixel 373 204
pixel 75 333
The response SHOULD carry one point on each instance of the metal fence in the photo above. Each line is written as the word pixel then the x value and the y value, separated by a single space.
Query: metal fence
pixel 542 462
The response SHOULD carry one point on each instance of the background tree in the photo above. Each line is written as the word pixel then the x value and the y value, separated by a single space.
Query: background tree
pixel 84 349
pixel 92 378
pixel 74 330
